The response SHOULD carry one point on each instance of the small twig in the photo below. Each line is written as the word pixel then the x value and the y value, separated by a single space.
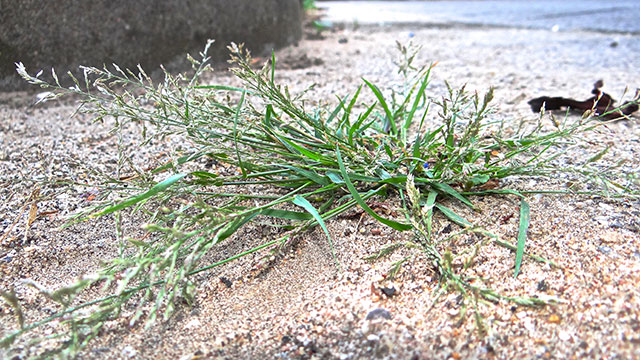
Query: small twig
pixel 22 210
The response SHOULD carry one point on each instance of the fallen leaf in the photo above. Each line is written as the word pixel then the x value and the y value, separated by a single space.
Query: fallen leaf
pixel 33 213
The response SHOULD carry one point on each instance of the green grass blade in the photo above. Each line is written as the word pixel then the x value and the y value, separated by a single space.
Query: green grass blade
pixel 357 126
pixel 393 224
pixel 207 178
pixel 522 233
pixel 337 179
pixel 309 174
pixel 334 177
pixel 335 111
pixel 233 226
pixel 394 180
pixel 304 151
pixel 304 203
pixel 269 112
pixel 286 214
pixel 417 99
pixel 181 160
pixel 453 216
pixel 273 67
pixel 431 200
pixel 599 155
pixel 222 87
pixel 347 110
pixel 416 147
pixel 235 135
pixel 442 187
pixel 155 190
pixel 385 107
pixel 493 191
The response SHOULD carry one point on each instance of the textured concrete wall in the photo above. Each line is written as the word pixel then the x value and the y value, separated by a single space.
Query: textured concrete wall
pixel 68 33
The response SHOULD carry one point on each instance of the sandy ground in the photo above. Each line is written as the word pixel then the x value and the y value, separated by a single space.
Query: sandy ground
pixel 303 306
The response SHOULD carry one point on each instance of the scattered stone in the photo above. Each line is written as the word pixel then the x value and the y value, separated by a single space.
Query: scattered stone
pixel 564 336
pixel 378 313
pixel 300 62
pixel 226 281
pixel 193 324
pixel 605 249
pixel 129 352
pixel 389 291
pixel 543 286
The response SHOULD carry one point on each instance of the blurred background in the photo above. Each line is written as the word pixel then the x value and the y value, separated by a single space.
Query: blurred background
pixel 607 16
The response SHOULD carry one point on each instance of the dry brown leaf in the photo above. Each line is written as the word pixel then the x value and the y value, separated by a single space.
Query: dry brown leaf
pixel 33 213
pixel 33 210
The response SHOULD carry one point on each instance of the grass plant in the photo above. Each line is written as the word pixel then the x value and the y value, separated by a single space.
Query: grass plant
pixel 435 154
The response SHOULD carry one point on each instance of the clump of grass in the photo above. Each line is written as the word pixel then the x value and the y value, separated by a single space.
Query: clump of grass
pixel 318 164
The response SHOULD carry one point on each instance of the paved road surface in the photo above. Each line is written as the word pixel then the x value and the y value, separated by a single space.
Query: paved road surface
pixel 617 16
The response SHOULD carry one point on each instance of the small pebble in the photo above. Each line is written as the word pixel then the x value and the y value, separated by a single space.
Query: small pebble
pixel 564 336
pixel 603 220
pixel 521 314
pixel 226 281
pixel 378 313
pixel 543 286
pixel 389 291
pixel 605 249
pixel 529 324
pixel 129 352
pixel 606 207
pixel 193 324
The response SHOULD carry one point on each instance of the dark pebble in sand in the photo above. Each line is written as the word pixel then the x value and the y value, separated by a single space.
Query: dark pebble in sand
pixel 378 313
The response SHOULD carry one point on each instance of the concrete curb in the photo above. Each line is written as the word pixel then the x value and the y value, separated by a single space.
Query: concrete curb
pixel 67 33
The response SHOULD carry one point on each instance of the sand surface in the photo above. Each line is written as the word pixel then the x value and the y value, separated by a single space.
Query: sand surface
pixel 302 306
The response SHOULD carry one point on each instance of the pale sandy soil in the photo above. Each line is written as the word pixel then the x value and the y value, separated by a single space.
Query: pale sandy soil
pixel 303 306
